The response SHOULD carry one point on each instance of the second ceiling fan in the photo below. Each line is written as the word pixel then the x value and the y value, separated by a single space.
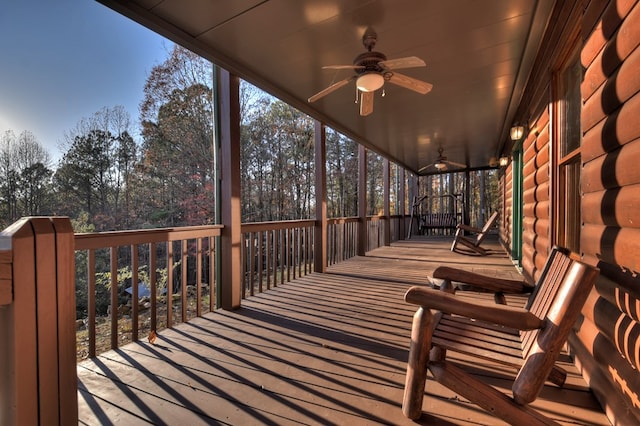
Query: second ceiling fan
pixel 372 70
pixel 442 163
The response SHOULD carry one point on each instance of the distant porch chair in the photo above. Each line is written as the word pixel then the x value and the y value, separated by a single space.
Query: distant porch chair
pixel 473 243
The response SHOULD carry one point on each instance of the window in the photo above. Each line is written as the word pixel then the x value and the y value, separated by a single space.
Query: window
pixel 569 137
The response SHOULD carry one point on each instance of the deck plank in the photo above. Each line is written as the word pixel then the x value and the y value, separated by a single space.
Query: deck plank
pixel 323 349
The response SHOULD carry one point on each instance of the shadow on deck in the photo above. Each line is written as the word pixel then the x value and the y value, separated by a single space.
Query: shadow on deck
pixel 323 349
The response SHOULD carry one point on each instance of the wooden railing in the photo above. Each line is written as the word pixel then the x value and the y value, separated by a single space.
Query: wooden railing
pixel 397 227
pixel 342 239
pixel 375 232
pixel 170 272
pixel 167 272
pixel 275 252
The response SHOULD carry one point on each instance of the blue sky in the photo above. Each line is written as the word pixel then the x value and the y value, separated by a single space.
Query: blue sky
pixel 62 60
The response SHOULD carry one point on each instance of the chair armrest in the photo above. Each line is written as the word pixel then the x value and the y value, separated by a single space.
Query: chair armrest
pixel 469 228
pixel 496 285
pixel 508 316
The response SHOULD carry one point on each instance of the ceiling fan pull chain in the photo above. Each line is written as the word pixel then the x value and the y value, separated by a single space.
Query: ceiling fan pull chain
pixel 356 101
pixel 383 92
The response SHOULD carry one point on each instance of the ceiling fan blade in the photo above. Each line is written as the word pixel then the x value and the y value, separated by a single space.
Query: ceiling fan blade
pixel 400 63
pixel 366 103
pixel 422 169
pixel 330 89
pixel 454 164
pixel 411 83
pixel 343 67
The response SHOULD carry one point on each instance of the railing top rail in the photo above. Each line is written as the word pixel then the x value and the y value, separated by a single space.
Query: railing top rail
pixel 96 240
pixel 339 220
pixel 271 226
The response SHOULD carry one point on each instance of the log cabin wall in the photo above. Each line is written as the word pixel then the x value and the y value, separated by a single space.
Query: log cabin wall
pixel 536 110
pixel 535 197
pixel 606 342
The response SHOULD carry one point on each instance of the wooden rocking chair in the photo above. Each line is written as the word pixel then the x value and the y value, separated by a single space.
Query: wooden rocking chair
pixel 529 339
pixel 473 243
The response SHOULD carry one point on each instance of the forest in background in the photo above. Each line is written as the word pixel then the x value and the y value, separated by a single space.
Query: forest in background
pixel 107 179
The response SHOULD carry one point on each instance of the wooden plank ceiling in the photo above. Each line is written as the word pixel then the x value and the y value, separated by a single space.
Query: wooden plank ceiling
pixel 478 55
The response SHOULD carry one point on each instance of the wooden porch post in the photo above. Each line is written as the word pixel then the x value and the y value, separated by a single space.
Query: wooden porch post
pixel 231 239
pixel 386 171
pixel 320 238
pixel 466 218
pixel 362 200
pixel 401 203
pixel 38 383
pixel 413 193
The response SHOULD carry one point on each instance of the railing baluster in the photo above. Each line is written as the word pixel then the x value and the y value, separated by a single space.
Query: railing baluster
pixel 199 273
pixel 153 289
pixel 299 232
pixel 268 257
pixel 252 262
pixel 287 233
pixel 305 248
pixel 183 285
pixel 135 298
pixel 113 252
pixel 91 301
pixel 169 295
pixel 260 257
pixel 276 248
pixel 212 274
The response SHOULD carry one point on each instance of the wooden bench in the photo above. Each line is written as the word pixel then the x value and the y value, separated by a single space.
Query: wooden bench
pixel 528 339
pixel 438 221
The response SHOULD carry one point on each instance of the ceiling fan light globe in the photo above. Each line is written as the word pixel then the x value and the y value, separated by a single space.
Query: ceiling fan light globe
pixel 440 166
pixel 370 82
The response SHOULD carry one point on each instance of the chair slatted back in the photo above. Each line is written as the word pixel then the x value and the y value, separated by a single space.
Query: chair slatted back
pixel 485 229
pixel 539 302
pixel 562 294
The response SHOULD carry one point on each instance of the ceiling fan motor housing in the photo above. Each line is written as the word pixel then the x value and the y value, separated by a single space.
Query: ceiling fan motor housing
pixel 370 61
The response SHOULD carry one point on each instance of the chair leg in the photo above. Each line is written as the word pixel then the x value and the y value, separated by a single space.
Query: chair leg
pixel 486 396
pixel 455 239
pixel 421 332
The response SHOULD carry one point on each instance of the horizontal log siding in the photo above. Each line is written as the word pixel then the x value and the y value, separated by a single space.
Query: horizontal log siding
pixel 607 341
pixel 536 206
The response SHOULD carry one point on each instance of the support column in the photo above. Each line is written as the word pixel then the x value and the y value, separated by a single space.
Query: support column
pixel 413 193
pixel 386 171
pixel 231 239
pixel 401 203
pixel 466 218
pixel 362 200
pixel 320 237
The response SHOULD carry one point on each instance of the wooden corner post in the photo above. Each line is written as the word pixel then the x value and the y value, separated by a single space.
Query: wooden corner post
pixel 231 240
pixel 320 237
pixel 38 383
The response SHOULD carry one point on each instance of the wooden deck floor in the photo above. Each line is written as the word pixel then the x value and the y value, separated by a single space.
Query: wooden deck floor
pixel 323 349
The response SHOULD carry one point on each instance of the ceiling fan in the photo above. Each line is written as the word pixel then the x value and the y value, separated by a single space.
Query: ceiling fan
pixel 442 163
pixel 372 69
